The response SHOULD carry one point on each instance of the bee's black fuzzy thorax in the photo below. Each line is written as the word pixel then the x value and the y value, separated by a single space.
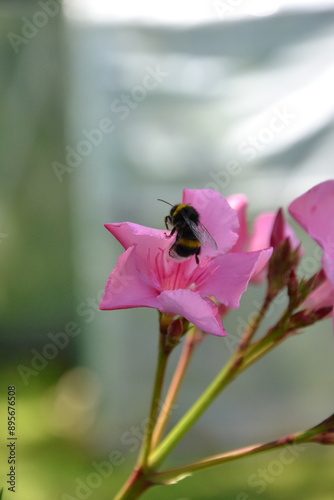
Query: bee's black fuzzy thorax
pixel 178 211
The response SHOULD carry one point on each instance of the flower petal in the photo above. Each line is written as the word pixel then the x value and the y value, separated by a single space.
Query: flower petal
pixel 129 234
pixel 125 286
pixel 260 239
pixel 239 203
pixel 263 227
pixel 230 275
pixel 322 296
pixel 314 212
pixel 200 311
pixel 149 242
pixel 217 216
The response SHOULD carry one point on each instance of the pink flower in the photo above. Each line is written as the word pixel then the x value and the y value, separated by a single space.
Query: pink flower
pixel 314 210
pixel 267 233
pixel 239 203
pixel 146 276
pixel 262 231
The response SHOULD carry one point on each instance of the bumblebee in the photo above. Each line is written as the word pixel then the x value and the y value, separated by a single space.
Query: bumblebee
pixel 191 235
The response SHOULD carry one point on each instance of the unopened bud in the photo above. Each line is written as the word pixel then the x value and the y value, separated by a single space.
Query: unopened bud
pixel 284 260
pixel 277 233
pixel 308 286
pixel 175 331
pixel 295 297
pixel 172 329
pixel 306 317
pixel 324 438
pixel 165 320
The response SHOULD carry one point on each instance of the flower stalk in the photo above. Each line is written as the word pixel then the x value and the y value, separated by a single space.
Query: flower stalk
pixel 184 425
pixel 154 410
pixel 163 355
pixel 172 475
pixel 193 338
pixel 135 486
pixel 255 323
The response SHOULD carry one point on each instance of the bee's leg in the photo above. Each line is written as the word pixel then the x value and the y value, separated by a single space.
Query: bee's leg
pixel 197 254
pixel 167 220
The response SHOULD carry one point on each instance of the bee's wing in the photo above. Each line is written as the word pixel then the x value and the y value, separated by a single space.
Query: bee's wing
pixel 206 237
pixel 201 233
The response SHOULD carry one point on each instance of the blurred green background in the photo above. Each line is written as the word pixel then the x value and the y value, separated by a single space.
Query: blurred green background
pixel 104 109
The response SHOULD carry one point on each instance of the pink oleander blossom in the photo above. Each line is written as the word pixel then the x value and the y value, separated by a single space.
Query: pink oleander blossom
pixel 314 212
pixel 239 203
pixel 146 276
pixel 261 235
pixel 261 238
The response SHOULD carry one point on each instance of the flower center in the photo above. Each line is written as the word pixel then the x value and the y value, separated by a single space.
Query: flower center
pixel 170 274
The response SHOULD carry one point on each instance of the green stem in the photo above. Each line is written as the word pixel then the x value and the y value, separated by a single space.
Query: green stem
pixel 134 487
pixel 237 364
pixel 172 475
pixel 139 481
pixel 155 402
pixel 275 336
pixel 259 349
pixel 191 342
pixel 255 323
pixel 224 377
